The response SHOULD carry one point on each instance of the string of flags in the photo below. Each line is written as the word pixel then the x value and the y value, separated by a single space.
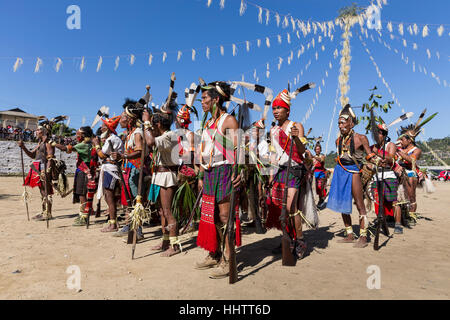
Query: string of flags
pixel 332 119
pixel 82 62
pixel 380 75
pixel 319 90
pixel 300 51
pixel 415 66
pixel 415 29
pixel 284 21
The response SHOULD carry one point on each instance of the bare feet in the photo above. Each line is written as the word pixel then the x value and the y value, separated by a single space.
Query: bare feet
pixel 362 243
pixel 172 250
pixel 110 227
pixel 348 239
pixel 163 246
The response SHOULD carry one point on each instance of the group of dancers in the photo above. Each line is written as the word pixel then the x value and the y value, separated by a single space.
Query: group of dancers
pixel 188 177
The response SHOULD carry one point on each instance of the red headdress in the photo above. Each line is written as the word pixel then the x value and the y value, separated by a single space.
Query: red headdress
pixel 112 123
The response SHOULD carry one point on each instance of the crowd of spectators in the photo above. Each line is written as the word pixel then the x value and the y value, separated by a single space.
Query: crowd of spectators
pixel 15 134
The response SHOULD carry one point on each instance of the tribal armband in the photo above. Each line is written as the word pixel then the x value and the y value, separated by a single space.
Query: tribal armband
pixel 370 156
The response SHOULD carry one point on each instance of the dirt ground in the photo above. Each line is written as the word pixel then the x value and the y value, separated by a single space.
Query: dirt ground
pixel 34 259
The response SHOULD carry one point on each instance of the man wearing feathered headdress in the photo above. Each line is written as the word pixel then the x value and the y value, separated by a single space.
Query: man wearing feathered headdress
pixel 408 154
pixel 42 155
pixel 281 135
pixel 164 142
pixel 346 183
pixel 390 179
pixel 134 141
pixel 87 162
pixel 109 178
pixel 218 152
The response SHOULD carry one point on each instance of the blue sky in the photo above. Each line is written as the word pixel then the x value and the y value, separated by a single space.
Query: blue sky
pixel 30 29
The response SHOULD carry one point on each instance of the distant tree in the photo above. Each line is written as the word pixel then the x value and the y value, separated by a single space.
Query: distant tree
pixel 350 11
pixel 374 104
pixel 66 131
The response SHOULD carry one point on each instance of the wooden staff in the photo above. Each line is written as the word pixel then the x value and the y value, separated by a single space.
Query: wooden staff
pixel 133 233
pixel 24 187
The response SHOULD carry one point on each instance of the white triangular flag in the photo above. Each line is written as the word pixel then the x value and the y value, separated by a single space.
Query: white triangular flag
pixel 82 64
pixel 234 49
pixel 279 39
pixel 116 63
pixel 164 57
pixel 410 30
pixel 415 46
pixel 242 8
pixel 404 43
pixel 259 14
pixel 258 42
pixel 425 31
pixel 207 52
pixel 267 71
pixel 222 4
pixel 209 3
pixel 440 30
pixel 288 38
pixel 58 64
pixel 267 42
pixel 179 55
pixel 428 53
pixel 293 23
pixel 150 59
pixel 247 45
pixel 17 64
pixel 277 18
pixel 222 50
pixel 193 54
pixel 280 62
pixel 400 28
pixel 99 64
pixel 267 17
pixel 416 29
pixel 132 59
pixel 285 22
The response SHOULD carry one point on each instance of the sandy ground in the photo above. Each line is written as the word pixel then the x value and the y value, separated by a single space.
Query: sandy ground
pixel 414 265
